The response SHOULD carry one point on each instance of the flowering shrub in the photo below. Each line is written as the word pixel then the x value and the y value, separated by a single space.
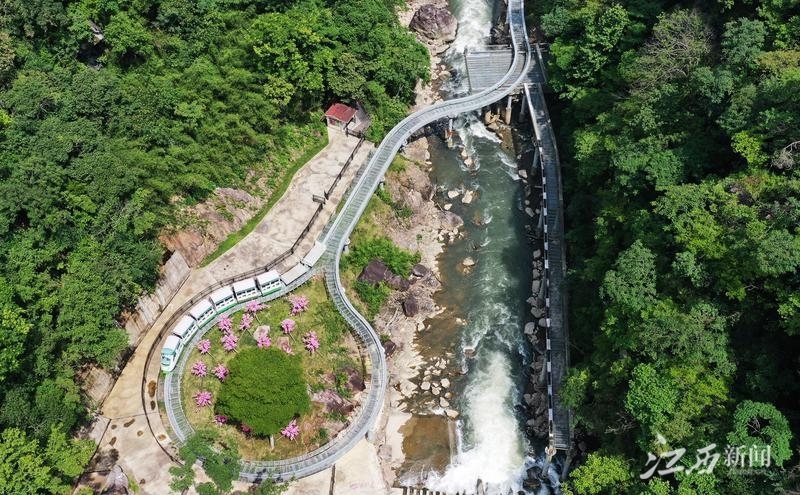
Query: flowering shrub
pixel 247 320
pixel 299 304
pixel 254 306
pixel 229 342
pixel 311 342
pixel 204 346
pixel 202 398
pixel 292 430
pixel 225 324
pixel 199 369
pixel 288 326
pixel 221 372
pixel 263 341
pixel 220 419
pixel 285 347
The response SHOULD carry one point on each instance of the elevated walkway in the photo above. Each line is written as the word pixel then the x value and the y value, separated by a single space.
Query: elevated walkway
pixel 555 266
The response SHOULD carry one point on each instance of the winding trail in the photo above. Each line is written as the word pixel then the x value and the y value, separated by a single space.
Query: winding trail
pixel 335 240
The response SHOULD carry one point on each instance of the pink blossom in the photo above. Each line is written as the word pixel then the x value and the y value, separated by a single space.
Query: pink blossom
pixel 225 324
pixel 311 342
pixel 247 320
pixel 263 341
pixel 285 347
pixel 291 430
pixel 299 304
pixel 220 419
pixel 288 325
pixel 254 306
pixel 202 398
pixel 229 342
pixel 199 369
pixel 204 346
pixel 246 428
pixel 220 371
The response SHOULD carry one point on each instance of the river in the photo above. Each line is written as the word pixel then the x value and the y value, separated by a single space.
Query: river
pixel 486 308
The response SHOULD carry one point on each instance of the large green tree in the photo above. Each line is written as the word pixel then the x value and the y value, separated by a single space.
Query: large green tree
pixel 265 390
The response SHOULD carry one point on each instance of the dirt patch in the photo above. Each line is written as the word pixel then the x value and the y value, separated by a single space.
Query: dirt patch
pixel 139 433
pixel 129 422
pixel 151 388
pixel 112 441
pixel 152 405
pixel 426 437
pixel 202 227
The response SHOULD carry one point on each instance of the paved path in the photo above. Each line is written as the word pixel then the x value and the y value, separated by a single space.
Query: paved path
pixel 139 453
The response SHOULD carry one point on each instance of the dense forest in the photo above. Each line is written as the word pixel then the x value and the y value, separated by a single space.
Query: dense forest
pixel 679 126
pixel 113 116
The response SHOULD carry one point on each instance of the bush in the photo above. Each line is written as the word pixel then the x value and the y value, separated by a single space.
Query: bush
pixel 382 248
pixel 265 390
pixel 373 296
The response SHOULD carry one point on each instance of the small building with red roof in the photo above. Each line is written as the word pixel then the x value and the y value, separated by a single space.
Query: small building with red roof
pixel 340 115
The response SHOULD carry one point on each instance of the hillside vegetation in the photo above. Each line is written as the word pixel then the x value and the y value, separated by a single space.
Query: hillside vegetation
pixel 113 115
pixel 679 125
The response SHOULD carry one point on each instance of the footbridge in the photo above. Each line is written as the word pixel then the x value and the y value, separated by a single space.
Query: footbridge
pixel 518 70
pixel 555 265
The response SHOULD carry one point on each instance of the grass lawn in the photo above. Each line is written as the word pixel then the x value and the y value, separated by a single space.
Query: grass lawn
pixel 338 350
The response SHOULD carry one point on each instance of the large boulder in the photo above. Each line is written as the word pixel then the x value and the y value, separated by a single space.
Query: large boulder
pixel 420 270
pixel 397 282
pixel 434 23
pixel 333 402
pixel 410 306
pixel 374 273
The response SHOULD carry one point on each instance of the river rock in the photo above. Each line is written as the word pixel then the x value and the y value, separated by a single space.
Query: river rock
pixel 436 390
pixel 452 194
pixel 389 347
pixel 425 385
pixel 523 174
pixel 542 322
pixel 451 221
pixel 451 413
pixel 445 383
pixel 468 262
pixel 447 206
pixel 397 282
pixel 374 273
pixel 537 253
pixel 468 197
pixel 434 23
pixel 354 380
pixel 529 211
pixel 261 331
pixel 420 270
pixel 444 402
pixel 410 306
pixel 530 328
pixel 333 402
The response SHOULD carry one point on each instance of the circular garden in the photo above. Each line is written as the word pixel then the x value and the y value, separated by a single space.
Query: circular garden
pixel 275 380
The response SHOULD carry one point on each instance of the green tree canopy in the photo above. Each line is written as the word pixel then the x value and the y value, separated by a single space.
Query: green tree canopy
pixel 265 390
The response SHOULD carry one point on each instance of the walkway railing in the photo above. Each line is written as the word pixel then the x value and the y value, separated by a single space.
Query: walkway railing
pixel 555 267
